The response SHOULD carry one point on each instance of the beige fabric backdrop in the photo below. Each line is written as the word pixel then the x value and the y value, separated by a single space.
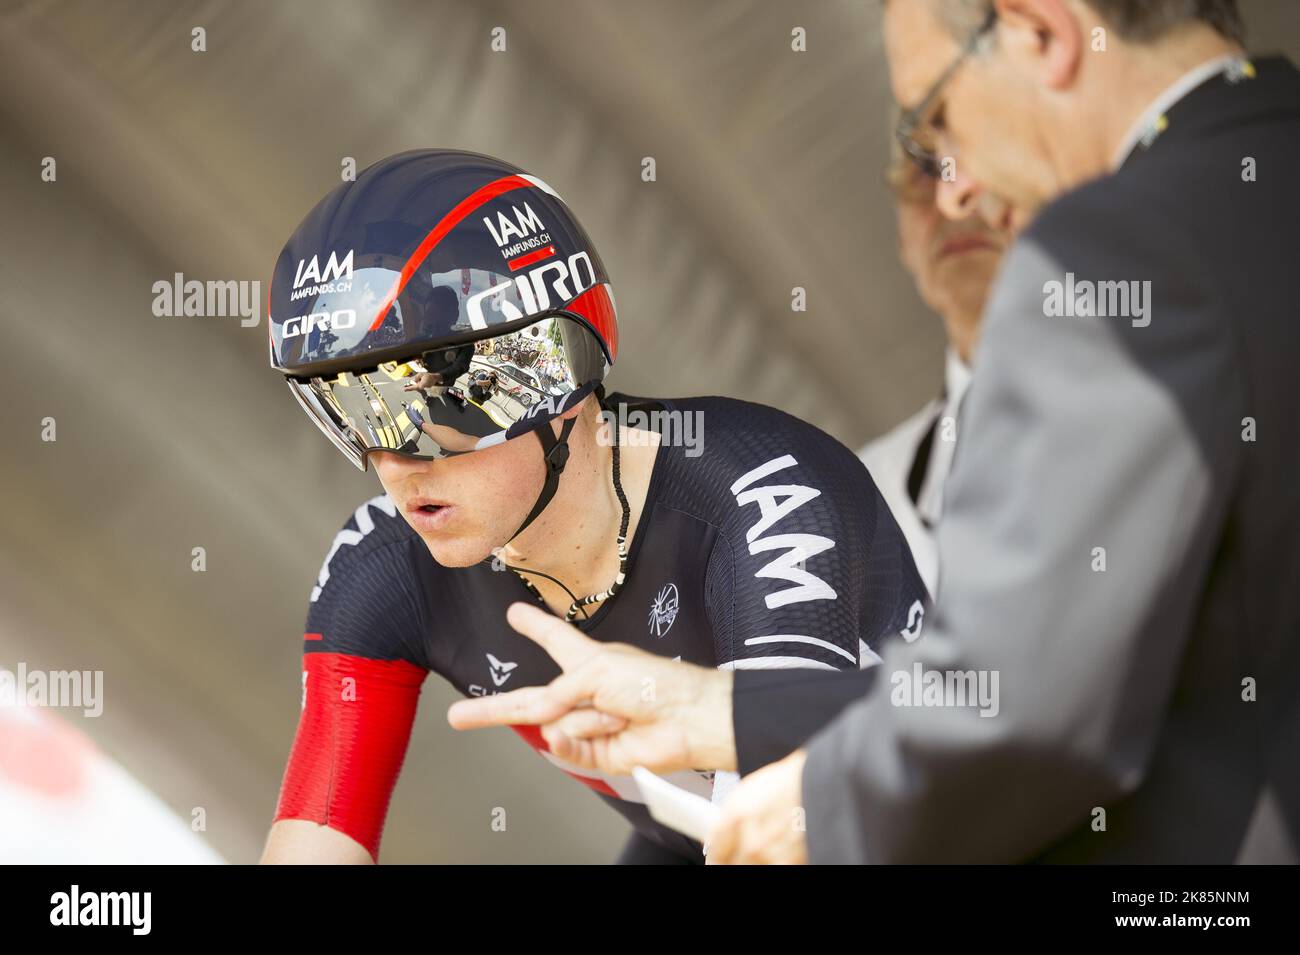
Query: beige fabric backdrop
pixel 173 433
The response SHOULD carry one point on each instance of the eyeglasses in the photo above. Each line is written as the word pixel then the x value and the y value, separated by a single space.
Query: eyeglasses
pixel 909 182
pixel 914 127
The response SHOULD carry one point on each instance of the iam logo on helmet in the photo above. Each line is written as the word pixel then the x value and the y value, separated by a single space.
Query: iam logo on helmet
pixel 526 228
pixel 337 276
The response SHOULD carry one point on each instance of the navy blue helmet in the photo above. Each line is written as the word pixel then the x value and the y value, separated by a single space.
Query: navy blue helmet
pixel 443 302
pixel 430 247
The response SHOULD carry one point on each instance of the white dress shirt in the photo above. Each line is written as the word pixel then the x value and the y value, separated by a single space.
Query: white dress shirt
pixel 911 463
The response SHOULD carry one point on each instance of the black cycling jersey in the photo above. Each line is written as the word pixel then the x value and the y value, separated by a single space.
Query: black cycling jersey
pixel 767 546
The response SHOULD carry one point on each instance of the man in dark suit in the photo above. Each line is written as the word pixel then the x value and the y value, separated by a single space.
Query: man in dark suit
pixel 1112 671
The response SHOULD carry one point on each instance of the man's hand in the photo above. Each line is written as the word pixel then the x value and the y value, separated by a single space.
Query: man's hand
pixel 421 381
pixel 763 819
pixel 614 706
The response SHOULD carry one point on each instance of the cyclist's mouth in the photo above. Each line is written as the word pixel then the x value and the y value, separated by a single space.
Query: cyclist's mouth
pixel 425 514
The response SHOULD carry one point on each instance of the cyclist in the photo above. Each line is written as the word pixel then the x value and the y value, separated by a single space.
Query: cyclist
pixel 764 545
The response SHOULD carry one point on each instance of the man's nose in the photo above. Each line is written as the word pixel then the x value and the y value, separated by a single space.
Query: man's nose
pixel 956 195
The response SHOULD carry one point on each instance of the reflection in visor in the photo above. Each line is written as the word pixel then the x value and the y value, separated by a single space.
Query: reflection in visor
pixel 459 398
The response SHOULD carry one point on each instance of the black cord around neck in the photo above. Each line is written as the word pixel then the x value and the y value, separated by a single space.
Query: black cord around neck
pixel 581 605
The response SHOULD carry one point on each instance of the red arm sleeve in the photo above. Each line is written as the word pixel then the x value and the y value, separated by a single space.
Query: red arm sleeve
pixel 352 736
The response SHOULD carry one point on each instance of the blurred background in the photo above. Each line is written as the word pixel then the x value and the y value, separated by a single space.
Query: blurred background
pixel 173 433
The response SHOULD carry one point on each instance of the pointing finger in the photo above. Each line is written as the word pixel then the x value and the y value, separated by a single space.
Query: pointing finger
pixel 529 705
pixel 564 642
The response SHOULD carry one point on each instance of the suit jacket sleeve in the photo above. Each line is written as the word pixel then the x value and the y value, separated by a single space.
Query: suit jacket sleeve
pixel 1091 467
pixel 774 712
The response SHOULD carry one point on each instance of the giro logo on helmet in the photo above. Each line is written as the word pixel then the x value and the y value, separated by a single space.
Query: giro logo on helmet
pixel 304 324
pixel 532 289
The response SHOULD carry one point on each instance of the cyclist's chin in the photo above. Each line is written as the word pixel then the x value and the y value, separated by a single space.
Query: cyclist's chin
pixel 456 550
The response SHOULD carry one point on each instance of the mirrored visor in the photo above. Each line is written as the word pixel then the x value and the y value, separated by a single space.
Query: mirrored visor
pixel 458 398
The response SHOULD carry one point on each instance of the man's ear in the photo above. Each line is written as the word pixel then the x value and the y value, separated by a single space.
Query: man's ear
pixel 1043 38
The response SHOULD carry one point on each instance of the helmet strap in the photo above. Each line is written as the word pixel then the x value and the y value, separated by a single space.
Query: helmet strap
pixel 555 453
pixel 560 447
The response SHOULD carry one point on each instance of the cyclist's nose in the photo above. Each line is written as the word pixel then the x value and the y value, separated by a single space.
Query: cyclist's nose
pixel 391 466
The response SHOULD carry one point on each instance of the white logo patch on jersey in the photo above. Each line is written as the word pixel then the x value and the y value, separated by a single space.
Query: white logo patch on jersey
pixel 500 671
pixel 915 617
pixel 663 610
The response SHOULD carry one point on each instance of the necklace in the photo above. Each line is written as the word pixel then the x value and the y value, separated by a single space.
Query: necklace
pixel 580 606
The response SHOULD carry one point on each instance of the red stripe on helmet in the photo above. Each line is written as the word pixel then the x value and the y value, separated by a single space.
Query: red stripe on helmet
pixel 448 222
pixel 543 253
pixel 596 306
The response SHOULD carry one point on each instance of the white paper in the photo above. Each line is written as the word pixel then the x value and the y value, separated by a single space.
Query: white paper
pixel 676 808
